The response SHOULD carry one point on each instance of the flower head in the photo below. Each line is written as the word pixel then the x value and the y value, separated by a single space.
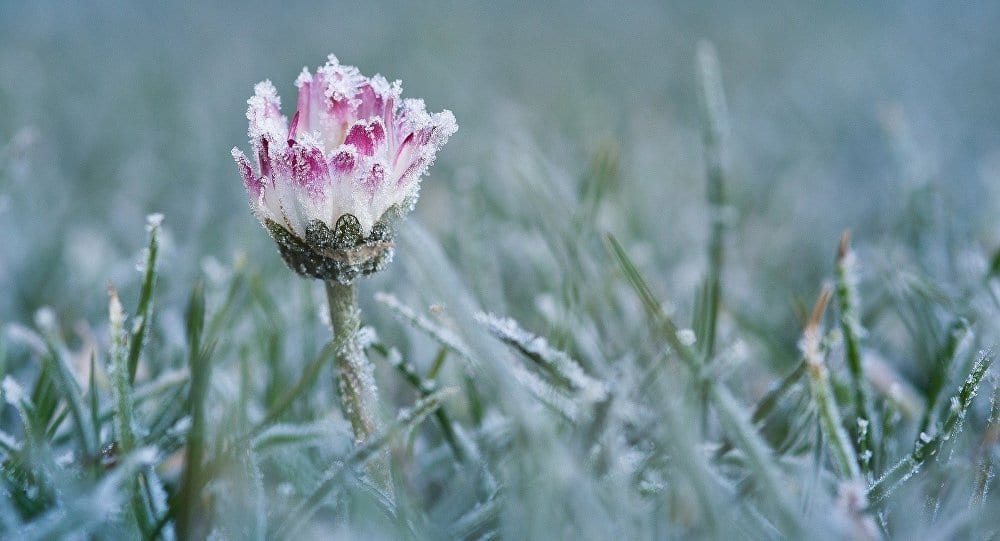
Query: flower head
pixel 330 184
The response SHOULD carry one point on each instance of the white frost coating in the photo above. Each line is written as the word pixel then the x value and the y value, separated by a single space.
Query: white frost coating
pixel 440 334
pixel 925 437
pixel 286 489
pixel 687 337
pixel 353 147
pixel 65 459
pixel 545 392
pixel 27 337
pixel 181 427
pixel 850 506
pixel 8 442
pixel 366 337
pixel 45 319
pixel 145 456
pixel 279 436
pixel 116 314
pixel 153 221
pixel 536 347
pixel 13 393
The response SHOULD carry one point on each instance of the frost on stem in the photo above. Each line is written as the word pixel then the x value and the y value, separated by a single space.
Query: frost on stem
pixel 355 373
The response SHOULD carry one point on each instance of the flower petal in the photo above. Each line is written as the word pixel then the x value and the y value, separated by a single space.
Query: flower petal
pixel 343 161
pixel 250 181
pixel 309 169
pixel 305 103
pixel 373 179
pixel 292 128
pixel 264 113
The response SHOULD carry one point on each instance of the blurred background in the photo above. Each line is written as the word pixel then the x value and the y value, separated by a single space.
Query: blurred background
pixel 112 110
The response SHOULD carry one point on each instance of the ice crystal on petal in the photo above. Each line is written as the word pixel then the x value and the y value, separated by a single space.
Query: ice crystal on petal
pixel 353 148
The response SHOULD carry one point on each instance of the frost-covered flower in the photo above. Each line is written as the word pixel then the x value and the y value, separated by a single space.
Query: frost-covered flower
pixel 330 185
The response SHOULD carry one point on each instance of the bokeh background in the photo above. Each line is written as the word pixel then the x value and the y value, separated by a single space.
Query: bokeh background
pixel 113 110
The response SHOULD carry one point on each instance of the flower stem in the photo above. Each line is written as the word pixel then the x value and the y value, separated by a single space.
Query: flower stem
pixel 355 374
pixel 356 377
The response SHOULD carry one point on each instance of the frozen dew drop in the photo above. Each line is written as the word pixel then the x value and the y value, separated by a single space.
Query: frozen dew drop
pixel 153 221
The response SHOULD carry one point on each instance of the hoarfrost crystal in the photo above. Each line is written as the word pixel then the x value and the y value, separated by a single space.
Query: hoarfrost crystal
pixel 330 184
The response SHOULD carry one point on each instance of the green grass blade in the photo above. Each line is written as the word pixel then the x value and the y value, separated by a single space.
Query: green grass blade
pixel 926 447
pixel 714 131
pixel 562 370
pixel 375 446
pixel 439 334
pixel 822 394
pixel 425 387
pixel 732 415
pixel 143 314
pixel 187 499
pixel 124 418
pixel 66 382
pixel 985 469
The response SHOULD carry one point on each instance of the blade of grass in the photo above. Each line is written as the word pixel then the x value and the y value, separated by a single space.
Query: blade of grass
pixel 140 324
pixel 305 381
pixel 45 398
pixel 926 446
pixel 124 414
pixel 69 388
pixel 714 131
pixel 86 512
pixel 438 333
pixel 372 448
pixel 562 370
pixel 958 335
pixel 654 309
pixel 850 326
pixel 187 501
pixel 731 414
pixel 822 393
pixel 95 404
pixel 985 473
pixel 425 387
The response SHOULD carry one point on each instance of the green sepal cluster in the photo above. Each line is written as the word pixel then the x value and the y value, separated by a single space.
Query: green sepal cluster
pixel 341 254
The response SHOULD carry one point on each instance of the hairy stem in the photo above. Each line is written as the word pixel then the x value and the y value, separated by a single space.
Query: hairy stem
pixel 356 375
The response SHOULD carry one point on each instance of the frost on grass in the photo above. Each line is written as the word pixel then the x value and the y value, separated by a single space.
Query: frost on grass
pixel 438 333
pixel 560 366
pixel 13 393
